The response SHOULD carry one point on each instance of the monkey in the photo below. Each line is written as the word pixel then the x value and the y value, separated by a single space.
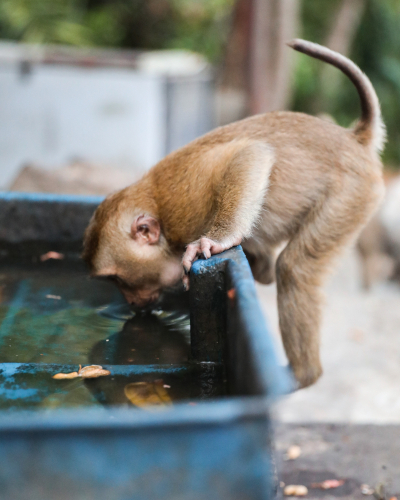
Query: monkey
pixel 280 177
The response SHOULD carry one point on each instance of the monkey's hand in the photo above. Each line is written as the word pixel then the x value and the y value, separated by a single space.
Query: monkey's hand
pixel 204 247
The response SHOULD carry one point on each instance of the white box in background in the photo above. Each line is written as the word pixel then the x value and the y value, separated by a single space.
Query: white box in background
pixel 123 109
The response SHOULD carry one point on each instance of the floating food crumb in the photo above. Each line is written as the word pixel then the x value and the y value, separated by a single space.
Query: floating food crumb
pixel 166 386
pixel 295 490
pixel 91 371
pixel 51 255
pixel 55 297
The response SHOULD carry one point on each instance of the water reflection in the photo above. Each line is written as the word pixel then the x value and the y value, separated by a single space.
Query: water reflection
pixel 53 318
pixel 144 340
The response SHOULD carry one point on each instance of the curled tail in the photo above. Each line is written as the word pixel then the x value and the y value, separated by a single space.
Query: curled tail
pixel 370 130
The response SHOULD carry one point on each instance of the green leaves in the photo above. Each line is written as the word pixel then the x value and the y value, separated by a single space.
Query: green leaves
pixel 375 49
pixel 45 21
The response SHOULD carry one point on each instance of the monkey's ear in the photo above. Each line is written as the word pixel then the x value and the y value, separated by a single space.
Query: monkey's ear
pixel 145 230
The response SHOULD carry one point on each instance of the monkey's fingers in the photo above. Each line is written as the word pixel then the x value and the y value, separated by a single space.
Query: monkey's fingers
pixel 185 281
pixel 210 247
pixel 205 247
pixel 190 255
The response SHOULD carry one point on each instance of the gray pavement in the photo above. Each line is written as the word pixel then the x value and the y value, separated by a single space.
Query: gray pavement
pixel 345 424
pixel 355 454
pixel 360 350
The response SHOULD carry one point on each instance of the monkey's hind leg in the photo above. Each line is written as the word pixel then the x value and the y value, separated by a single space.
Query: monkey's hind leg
pixel 300 270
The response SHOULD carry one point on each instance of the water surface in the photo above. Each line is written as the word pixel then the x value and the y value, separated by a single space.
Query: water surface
pixel 53 318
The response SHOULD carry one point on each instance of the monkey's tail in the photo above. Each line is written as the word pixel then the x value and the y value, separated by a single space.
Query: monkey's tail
pixel 370 130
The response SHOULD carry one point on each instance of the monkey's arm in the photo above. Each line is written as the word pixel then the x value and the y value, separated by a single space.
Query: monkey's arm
pixel 239 197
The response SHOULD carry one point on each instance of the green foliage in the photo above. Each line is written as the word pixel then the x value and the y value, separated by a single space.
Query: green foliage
pixel 44 21
pixel 202 25
pixel 152 24
pixel 376 49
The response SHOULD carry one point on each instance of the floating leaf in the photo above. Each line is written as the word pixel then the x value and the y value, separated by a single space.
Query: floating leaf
pixel 147 394
pixel 91 371
pixel 60 376
pixel 51 255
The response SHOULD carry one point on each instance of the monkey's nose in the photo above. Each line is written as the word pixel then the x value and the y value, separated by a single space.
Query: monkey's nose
pixel 143 307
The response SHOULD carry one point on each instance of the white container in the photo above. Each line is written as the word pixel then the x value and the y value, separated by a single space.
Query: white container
pixel 123 109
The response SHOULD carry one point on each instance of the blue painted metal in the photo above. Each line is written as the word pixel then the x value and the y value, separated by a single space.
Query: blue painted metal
pixel 214 450
pixel 50 198
pixel 244 324
pixel 40 219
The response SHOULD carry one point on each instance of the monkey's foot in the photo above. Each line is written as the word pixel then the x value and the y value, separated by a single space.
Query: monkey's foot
pixel 307 375
pixel 204 247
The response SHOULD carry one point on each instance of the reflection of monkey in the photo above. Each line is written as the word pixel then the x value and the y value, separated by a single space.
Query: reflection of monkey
pixel 271 178
pixel 144 340
pixel 161 353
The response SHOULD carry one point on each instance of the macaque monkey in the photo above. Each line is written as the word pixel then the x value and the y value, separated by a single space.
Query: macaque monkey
pixel 271 178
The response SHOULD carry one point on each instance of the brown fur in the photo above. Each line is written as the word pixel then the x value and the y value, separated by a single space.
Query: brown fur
pixel 273 178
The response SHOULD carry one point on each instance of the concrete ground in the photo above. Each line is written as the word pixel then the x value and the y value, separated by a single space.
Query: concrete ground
pixel 364 458
pixel 348 424
pixel 360 350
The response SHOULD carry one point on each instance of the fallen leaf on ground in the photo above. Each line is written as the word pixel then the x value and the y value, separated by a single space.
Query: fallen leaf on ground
pixel 380 492
pixel 51 255
pixel 295 490
pixel 367 490
pixel 147 394
pixel 91 371
pixel 328 484
pixel 293 452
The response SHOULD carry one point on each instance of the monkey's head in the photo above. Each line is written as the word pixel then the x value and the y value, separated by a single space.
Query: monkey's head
pixel 126 245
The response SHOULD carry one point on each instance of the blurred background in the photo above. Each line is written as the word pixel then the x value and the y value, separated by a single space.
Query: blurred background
pixel 94 92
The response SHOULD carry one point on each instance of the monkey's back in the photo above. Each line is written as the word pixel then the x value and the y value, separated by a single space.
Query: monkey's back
pixel 312 155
